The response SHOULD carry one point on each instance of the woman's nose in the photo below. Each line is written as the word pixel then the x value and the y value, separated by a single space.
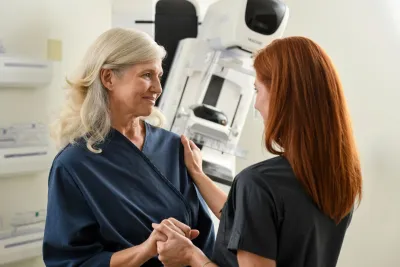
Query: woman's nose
pixel 157 87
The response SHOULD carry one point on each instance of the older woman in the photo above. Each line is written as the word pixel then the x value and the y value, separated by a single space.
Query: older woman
pixel 116 174
pixel 292 210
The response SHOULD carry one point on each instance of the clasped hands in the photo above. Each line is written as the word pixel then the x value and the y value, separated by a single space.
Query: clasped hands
pixel 176 248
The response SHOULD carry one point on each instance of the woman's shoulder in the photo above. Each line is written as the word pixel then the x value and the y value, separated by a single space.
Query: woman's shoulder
pixel 161 132
pixel 71 155
pixel 271 168
pixel 258 186
pixel 273 175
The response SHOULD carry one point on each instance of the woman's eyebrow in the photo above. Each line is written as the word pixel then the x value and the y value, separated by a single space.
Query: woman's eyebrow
pixel 152 70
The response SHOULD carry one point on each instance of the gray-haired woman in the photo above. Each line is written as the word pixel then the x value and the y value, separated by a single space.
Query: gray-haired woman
pixel 116 174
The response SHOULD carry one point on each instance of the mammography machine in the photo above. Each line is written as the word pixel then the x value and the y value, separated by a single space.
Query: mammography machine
pixel 209 89
pixel 208 75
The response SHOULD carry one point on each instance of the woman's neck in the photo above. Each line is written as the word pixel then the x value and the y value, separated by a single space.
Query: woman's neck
pixel 131 127
pixel 128 124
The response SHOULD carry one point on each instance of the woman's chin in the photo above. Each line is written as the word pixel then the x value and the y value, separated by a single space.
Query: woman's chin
pixel 144 111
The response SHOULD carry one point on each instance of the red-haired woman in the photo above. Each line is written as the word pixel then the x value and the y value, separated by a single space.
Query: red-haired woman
pixel 292 210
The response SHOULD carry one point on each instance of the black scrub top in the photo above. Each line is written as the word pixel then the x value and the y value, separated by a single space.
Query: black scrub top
pixel 268 213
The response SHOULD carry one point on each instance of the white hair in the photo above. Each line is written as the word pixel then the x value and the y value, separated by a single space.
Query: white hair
pixel 86 113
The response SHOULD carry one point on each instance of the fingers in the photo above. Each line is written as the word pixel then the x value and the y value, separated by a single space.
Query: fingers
pixel 185 143
pixel 160 246
pixel 159 236
pixel 188 144
pixel 176 228
pixel 193 145
pixel 194 234
pixel 163 228
pixel 181 226
pixel 160 251
pixel 169 227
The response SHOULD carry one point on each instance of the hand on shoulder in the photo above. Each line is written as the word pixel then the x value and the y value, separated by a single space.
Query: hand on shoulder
pixel 193 159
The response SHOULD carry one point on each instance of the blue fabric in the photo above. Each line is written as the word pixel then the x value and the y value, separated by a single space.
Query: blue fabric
pixel 102 203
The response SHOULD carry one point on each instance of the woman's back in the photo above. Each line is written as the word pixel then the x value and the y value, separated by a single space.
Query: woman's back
pixel 315 236
pixel 270 214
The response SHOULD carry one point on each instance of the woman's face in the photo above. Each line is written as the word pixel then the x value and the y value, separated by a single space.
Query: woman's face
pixel 136 90
pixel 262 98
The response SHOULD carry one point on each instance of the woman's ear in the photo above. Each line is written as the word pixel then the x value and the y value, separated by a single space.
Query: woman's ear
pixel 106 77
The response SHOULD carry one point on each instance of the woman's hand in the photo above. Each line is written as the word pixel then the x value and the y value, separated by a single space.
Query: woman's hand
pixel 178 249
pixel 212 194
pixel 150 245
pixel 193 160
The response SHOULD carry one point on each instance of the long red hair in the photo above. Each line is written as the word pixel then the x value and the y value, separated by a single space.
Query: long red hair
pixel 309 124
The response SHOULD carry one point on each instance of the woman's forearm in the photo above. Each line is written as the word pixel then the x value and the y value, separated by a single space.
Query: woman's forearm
pixel 198 259
pixel 131 257
pixel 212 194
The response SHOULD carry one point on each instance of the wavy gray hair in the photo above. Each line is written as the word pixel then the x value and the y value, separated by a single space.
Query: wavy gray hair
pixel 85 113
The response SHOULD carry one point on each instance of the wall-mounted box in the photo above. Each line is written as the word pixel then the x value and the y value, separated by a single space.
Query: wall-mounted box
pixel 24 72
pixel 20 246
pixel 23 160
pixel 23 149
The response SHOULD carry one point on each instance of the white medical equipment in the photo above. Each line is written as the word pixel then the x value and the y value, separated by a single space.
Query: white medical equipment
pixel 23 149
pixel 21 72
pixel 209 88
pixel 24 239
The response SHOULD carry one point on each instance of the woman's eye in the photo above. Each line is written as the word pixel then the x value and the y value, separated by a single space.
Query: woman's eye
pixel 147 75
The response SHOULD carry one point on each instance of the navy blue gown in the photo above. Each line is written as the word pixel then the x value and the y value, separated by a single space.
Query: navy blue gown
pixel 99 204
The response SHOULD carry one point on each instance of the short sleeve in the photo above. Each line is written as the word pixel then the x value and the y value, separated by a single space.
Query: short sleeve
pixel 255 217
pixel 71 232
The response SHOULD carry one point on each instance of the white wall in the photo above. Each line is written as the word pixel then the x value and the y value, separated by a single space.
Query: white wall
pixel 25 27
pixel 363 39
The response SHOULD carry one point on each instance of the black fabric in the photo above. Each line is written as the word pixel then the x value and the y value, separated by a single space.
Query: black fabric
pixel 268 213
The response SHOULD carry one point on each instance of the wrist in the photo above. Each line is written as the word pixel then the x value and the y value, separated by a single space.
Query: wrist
pixel 145 251
pixel 198 175
pixel 195 257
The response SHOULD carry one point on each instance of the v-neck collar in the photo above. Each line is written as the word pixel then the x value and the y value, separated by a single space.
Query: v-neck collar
pixel 146 134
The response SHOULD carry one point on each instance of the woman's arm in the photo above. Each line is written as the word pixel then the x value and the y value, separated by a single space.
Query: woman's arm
pixel 198 259
pixel 179 250
pixel 212 194
pixel 137 255
pixel 245 259
pixel 134 256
